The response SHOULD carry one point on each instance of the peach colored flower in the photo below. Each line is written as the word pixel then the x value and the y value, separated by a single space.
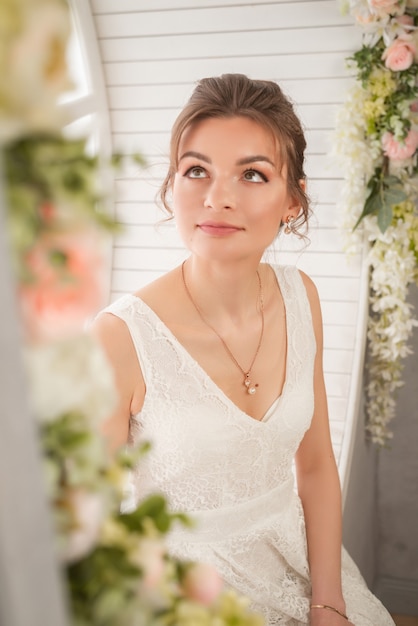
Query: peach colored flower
pixel 66 284
pixel 400 54
pixel 48 212
pixel 387 6
pixel 397 151
pixel 202 583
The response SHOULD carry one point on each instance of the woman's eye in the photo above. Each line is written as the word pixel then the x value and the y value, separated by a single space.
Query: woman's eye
pixel 254 176
pixel 196 172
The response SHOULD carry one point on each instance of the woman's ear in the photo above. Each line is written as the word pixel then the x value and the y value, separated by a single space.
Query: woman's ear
pixel 294 205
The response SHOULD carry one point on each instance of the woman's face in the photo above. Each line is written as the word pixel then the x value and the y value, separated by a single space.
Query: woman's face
pixel 230 190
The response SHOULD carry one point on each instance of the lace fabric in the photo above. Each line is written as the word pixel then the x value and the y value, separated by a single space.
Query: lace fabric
pixel 231 473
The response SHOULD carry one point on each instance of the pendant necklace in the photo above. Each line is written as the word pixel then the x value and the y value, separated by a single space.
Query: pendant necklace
pixel 249 385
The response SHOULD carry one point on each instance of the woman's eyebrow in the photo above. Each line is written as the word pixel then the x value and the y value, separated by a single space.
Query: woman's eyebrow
pixel 254 159
pixel 244 161
pixel 196 155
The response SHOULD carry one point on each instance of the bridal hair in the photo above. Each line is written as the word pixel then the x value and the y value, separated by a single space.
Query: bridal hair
pixel 262 101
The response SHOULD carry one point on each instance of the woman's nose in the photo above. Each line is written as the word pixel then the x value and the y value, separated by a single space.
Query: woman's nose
pixel 220 194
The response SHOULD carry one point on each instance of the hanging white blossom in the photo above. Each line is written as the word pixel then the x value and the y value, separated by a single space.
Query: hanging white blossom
pixel 376 144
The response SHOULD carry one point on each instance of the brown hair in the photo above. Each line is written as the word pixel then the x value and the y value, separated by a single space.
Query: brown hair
pixel 262 101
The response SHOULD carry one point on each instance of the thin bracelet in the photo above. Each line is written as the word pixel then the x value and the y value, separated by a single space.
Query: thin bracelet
pixel 330 608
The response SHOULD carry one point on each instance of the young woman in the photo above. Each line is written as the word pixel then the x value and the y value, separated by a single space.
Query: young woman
pixel 219 365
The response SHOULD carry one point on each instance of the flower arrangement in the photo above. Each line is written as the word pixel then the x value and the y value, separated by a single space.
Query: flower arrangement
pixel 376 144
pixel 114 561
pixel 117 569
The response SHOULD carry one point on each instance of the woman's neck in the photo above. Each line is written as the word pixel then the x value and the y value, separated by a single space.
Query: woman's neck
pixel 225 293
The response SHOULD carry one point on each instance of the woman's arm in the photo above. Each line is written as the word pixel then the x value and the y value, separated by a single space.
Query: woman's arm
pixel 320 493
pixel 114 336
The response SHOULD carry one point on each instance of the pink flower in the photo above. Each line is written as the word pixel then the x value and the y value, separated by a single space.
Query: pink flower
pixel 405 20
pixel 386 7
pixel 87 511
pixel 400 54
pixel 202 583
pixel 391 7
pixel 65 285
pixel 150 557
pixel 398 151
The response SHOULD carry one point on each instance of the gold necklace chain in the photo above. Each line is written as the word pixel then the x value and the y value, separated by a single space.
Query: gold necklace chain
pixel 251 387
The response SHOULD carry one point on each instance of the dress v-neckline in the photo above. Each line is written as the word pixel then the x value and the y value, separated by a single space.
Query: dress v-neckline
pixel 169 333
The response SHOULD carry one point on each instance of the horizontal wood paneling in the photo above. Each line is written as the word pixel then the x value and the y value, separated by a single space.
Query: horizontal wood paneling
pixel 255 16
pixel 280 67
pixel 103 7
pixel 205 45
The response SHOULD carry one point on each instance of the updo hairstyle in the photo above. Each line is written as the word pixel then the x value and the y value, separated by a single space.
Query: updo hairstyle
pixel 262 101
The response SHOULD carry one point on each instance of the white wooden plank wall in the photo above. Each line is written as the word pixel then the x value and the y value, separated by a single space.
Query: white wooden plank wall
pixel 153 51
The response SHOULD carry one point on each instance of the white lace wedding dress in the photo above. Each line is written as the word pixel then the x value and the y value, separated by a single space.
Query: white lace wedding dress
pixel 231 473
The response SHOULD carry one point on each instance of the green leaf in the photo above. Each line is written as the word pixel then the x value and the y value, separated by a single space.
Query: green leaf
pixel 372 204
pixel 391 197
pixel 153 508
pixel 385 193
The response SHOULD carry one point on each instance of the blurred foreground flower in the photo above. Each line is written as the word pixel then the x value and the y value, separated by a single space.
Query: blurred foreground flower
pixel 113 557
pixel 65 283
pixel 33 71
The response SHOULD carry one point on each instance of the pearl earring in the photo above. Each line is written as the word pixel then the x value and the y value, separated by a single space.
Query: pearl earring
pixel 289 228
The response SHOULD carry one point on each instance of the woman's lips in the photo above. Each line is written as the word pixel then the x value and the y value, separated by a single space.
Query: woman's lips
pixel 218 228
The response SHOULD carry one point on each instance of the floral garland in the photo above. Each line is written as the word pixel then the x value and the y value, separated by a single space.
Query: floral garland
pixel 115 564
pixel 377 147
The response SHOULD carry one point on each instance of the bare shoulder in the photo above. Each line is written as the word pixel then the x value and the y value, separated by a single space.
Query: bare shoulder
pixel 313 297
pixel 111 331
pixel 311 289
pixel 310 286
pixel 114 336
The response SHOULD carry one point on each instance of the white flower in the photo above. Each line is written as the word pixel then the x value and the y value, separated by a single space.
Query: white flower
pixel 70 375
pixel 391 257
pixel 357 160
pixel 33 68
